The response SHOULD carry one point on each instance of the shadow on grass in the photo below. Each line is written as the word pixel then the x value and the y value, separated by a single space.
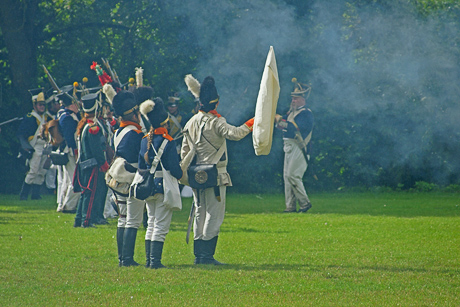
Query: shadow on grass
pixel 314 268
pixel 397 204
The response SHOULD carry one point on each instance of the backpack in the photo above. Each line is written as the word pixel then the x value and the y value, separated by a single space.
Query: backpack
pixel 53 132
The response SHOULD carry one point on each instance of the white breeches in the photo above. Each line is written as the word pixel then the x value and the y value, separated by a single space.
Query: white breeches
pixel 159 219
pixel 295 166
pixel 209 213
pixel 134 212
pixel 36 173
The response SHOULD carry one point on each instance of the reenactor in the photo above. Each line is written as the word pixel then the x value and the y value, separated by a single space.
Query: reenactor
pixel 177 119
pixel 297 127
pixel 159 215
pixel 33 146
pixel 69 117
pixel 92 164
pixel 206 134
pixel 127 141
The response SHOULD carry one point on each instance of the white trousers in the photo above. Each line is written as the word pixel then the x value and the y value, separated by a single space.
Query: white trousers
pixel 122 210
pixel 61 186
pixel 109 212
pixel 36 173
pixel 295 166
pixel 50 177
pixel 134 212
pixel 159 219
pixel 209 213
pixel 69 199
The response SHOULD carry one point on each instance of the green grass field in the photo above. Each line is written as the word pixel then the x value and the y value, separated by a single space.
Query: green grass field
pixel 386 249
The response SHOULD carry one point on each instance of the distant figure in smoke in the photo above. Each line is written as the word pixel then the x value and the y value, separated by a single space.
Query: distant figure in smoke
pixel 297 127
pixel 177 119
pixel 207 132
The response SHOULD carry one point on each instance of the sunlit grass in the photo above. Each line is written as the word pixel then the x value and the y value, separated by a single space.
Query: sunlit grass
pixel 350 249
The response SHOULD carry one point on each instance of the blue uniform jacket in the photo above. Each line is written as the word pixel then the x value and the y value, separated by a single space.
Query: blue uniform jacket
pixel 68 127
pixel 130 145
pixel 304 121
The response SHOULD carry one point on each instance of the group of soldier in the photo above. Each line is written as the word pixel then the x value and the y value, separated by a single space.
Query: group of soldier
pixel 113 121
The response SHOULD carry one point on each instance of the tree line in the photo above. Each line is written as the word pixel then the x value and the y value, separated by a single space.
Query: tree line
pixel 383 75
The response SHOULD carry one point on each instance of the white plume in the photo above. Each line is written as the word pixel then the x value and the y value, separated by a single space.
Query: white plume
pixel 193 85
pixel 139 77
pixel 146 107
pixel 109 91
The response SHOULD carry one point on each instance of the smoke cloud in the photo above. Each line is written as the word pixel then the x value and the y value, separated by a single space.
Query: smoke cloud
pixel 389 73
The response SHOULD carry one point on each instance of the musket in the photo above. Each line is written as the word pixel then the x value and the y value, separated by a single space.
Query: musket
pixel 10 120
pixel 50 78
pixel 109 69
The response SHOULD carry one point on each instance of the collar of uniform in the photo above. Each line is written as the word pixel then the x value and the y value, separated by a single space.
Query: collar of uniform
pixel 164 132
pixel 126 123
pixel 213 112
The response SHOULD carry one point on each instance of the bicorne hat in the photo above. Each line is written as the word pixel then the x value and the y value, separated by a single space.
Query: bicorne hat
pixel 300 89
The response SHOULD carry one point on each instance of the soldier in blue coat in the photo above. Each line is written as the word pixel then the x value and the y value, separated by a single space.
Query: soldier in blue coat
pixel 297 127
pixel 127 142
pixel 92 164
pixel 159 216
pixel 69 116
pixel 32 146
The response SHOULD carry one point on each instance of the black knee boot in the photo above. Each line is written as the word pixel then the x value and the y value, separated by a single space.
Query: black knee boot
pixel 156 249
pixel 36 192
pixel 198 250
pixel 25 190
pixel 129 242
pixel 147 253
pixel 120 232
pixel 209 249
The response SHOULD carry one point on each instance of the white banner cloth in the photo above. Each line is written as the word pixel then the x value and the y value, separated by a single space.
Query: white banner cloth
pixel 267 101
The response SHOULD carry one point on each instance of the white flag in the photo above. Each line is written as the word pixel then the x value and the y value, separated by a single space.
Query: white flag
pixel 267 101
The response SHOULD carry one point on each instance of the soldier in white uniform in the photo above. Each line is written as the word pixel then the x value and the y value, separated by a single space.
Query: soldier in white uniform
pixel 207 131
pixel 297 126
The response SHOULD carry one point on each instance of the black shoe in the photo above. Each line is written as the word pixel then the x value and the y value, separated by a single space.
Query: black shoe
pixel 25 190
pixel 69 211
pixel 208 251
pixel 36 192
pixel 77 223
pixel 101 222
pixel 129 263
pixel 156 250
pixel 89 226
pixel 211 261
pixel 290 211
pixel 157 266
pixel 129 242
pixel 303 210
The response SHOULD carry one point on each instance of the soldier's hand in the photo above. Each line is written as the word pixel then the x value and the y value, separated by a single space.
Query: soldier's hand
pixel 278 118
